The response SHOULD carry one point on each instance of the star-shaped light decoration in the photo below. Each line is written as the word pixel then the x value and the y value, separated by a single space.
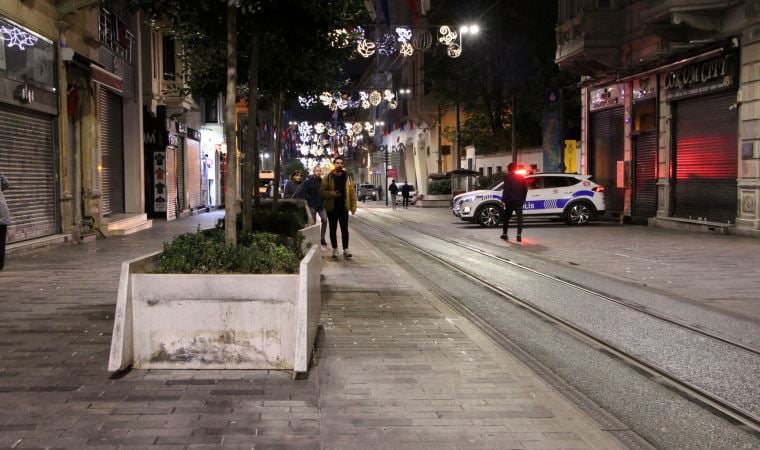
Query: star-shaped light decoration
pixel 366 48
pixel 17 37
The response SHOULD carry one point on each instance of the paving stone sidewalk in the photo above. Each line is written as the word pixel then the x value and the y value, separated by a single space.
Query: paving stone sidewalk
pixel 396 368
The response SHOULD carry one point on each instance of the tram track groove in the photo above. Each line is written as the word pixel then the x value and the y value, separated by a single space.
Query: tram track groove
pixel 714 402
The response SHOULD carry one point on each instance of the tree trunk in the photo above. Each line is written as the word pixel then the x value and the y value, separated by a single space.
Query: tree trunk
pixel 251 160
pixel 230 188
pixel 277 150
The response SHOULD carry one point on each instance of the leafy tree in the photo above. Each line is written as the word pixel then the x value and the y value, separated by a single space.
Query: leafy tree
pixel 502 76
pixel 278 48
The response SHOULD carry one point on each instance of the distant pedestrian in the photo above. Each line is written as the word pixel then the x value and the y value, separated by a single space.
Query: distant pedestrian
pixel 405 191
pixel 5 218
pixel 513 198
pixel 339 194
pixel 379 192
pixel 393 190
pixel 309 191
pixel 292 185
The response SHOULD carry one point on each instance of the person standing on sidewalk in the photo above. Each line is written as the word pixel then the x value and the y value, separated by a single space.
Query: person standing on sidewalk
pixel 292 185
pixel 405 191
pixel 5 218
pixel 309 191
pixel 513 198
pixel 340 198
pixel 393 190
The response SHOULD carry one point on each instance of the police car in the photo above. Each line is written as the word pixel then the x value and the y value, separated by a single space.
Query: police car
pixel 575 198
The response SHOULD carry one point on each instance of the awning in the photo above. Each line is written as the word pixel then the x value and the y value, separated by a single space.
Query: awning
pixel 107 79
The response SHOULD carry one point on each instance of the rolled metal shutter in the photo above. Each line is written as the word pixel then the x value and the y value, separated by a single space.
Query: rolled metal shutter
pixel 27 160
pixel 193 165
pixel 171 183
pixel 606 150
pixel 180 174
pixel 112 150
pixel 645 176
pixel 705 164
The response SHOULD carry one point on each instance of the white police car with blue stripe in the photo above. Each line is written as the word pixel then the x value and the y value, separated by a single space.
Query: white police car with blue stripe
pixel 575 198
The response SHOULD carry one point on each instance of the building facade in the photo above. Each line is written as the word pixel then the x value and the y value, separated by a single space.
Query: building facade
pixel 671 117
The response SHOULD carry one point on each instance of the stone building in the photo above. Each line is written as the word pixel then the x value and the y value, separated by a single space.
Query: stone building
pixel 671 107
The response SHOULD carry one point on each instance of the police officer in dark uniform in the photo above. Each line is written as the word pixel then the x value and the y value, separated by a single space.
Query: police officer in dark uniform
pixel 513 197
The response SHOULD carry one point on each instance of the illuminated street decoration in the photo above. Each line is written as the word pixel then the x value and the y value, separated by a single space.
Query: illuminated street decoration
pixel 319 128
pixel 388 95
pixel 326 98
pixel 393 104
pixel 406 49
pixel 356 128
pixel 307 102
pixel 447 36
pixel 387 44
pixel 404 34
pixel 454 50
pixel 17 37
pixel 366 48
pixel 375 98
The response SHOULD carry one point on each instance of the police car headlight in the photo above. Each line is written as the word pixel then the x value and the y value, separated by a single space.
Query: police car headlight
pixel 466 210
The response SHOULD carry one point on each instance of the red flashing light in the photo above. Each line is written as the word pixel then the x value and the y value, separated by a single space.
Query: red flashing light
pixel 522 172
pixel 598 189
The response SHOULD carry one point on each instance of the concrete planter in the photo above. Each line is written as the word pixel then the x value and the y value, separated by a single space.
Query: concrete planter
pixel 434 201
pixel 198 321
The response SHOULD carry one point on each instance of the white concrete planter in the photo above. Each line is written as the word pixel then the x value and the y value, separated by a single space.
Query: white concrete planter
pixel 198 321
pixel 434 201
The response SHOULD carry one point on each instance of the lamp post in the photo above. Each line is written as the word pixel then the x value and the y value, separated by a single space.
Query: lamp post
pixel 472 29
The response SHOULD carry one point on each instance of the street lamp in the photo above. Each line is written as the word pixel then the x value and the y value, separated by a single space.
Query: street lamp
pixel 471 29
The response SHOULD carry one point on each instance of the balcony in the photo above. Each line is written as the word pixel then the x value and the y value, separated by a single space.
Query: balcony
pixel 590 44
pixel 686 20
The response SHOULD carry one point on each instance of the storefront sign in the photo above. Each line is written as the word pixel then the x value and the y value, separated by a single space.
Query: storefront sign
pixel 644 88
pixel 159 182
pixel 607 97
pixel 194 134
pixel 701 77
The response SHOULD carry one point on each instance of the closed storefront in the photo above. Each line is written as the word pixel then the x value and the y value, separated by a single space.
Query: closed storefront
pixel 27 160
pixel 606 147
pixel 180 178
pixel 111 121
pixel 704 163
pixel 644 192
pixel 161 166
pixel 193 169
pixel 28 106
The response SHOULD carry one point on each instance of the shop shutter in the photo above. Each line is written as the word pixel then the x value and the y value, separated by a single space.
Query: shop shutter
pixel 606 150
pixel 705 163
pixel 171 182
pixel 645 176
pixel 180 173
pixel 193 171
pixel 112 150
pixel 27 160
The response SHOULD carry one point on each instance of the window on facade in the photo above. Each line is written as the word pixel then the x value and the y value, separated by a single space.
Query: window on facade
pixel 170 71
pixel 211 110
pixel 498 169
pixel 480 169
pixel 490 171
pixel 25 57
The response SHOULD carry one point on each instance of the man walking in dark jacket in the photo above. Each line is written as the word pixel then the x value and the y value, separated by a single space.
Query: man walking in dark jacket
pixel 309 191
pixel 513 197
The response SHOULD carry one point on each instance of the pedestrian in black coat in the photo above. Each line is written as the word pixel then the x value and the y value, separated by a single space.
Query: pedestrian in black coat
pixel 513 198
pixel 405 191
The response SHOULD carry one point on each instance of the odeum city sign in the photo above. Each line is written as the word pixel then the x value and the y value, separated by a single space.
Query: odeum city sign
pixel 701 77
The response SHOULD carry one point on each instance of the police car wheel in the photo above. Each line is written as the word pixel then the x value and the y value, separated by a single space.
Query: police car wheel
pixel 489 216
pixel 579 213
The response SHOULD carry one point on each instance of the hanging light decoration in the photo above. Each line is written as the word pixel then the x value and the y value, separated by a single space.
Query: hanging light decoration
pixel 326 98
pixel 387 44
pixel 406 49
pixel 366 48
pixel 16 37
pixel 357 128
pixel 388 95
pixel 454 50
pixel 375 98
pixel 423 40
pixel 319 127
pixel 447 35
pixel 404 34
pixel 307 101
pixel 367 126
pixel 393 104
pixel 342 103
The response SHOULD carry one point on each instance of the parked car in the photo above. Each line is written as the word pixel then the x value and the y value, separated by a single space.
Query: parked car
pixel 575 198
pixel 412 194
pixel 367 192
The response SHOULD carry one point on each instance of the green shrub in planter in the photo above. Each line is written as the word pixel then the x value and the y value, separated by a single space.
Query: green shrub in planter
pixel 205 252
pixel 440 187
